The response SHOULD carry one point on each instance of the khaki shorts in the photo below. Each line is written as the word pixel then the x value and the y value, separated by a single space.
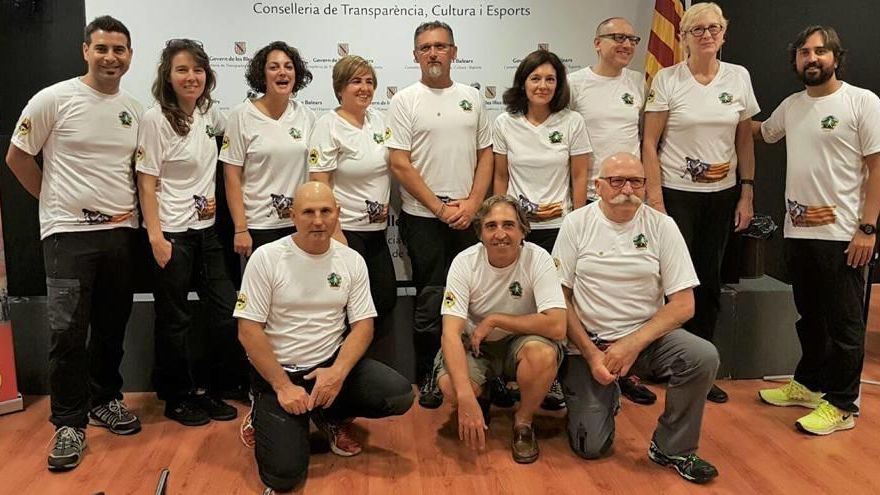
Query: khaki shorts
pixel 497 358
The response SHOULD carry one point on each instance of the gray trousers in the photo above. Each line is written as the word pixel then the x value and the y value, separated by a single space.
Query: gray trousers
pixel 689 362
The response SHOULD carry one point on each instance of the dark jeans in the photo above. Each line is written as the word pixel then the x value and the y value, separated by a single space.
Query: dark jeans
pixel 431 246
pixel 545 238
pixel 196 255
pixel 265 236
pixel 829 296
pixel 89 282
pixel 705 221
pixel 371 390
pixel 373 247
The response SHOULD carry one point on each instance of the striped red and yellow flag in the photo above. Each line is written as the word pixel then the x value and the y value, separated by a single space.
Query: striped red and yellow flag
pixel 664 48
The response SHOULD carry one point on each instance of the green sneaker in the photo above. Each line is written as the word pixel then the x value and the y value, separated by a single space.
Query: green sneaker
pixel 791 394
pixel 826 419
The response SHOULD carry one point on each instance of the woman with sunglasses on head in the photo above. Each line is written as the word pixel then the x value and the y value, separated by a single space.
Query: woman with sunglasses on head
pixel 702 109
pixel 265 147
pixel 347 152
pixel 176 162
pixel 542 158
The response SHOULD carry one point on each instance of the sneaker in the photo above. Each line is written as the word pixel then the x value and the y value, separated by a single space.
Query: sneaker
pixel 499 393
pixel 826 419
pixel 555 399
pixel 791 394
pixel 338 433
pixel 689 467
pixel 246 431
pixel 524 445
pixel 115 417
pixel 216 408
pixel 186 412
pixel 430 396
pixel 68 450
pixel 631 388
pixel 716 395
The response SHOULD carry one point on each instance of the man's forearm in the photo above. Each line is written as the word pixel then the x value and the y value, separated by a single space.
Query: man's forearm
pixel 455 361
pixel 671 316
pixel 410 179
pixel 550 325
pixel 355 345
pixel 482 175
pixel 260 353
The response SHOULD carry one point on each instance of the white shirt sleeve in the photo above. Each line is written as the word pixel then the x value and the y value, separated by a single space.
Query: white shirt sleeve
pixel 676 269
pixel 580 139
pixel 751 103
pixel 773 129
pixel 218 120
pixel 456 299
pixel 36 122
pixel 360 300
pixel 565 252
pixel 399 125
pixel 484 131
pixel 498 139
pixel 548 291
pixel 151 148
pixel 235 145
pixel 255 296
pixel 869 123
pixel 324 146
pixel 658 96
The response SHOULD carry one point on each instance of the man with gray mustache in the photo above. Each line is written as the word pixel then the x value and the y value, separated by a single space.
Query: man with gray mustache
pixel 628 284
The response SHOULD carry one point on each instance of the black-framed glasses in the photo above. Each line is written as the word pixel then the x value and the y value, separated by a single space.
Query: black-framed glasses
pixel 699 31
pixel 438 47
pixel 619 38
pixel 618 181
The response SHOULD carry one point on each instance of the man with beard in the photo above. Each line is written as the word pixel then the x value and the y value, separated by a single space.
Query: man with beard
pixel 628 283
pixel 832 193
pixel 440 141
pixel 611 98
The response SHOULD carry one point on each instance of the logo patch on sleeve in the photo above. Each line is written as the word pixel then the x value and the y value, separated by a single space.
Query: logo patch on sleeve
pixel 241 301
pixel 449 299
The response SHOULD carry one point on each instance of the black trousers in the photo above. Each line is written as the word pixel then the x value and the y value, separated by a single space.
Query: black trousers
pixel 545 238
pixel 89 282
pixel 431 246
pixel 371 390
pixel 196 256
pixel 829 297
pixel 705 221
pixel 373 247
pixel 265 236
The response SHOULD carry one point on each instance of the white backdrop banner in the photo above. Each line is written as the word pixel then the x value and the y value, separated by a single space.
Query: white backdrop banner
pixel 492 38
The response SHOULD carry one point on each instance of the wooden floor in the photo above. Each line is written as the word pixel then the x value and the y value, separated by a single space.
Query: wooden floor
pixel 755 447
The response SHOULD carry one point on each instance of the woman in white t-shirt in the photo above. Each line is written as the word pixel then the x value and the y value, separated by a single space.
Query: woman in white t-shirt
pixel 265 147
pixel 176 162
pixel 697 142
pixel 347 151
pixel 542 150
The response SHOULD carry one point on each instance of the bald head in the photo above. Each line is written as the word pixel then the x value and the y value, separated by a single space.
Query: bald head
pixel 623 160
pixel 314 214
pixel 609 25
pixel 311 191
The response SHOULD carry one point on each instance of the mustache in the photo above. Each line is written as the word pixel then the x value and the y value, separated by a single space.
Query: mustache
pixel 625 198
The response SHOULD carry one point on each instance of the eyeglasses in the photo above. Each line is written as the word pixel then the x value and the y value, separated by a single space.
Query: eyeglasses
pixel 618 182
pixel 438 47
pixel 699 31
pixel 619 38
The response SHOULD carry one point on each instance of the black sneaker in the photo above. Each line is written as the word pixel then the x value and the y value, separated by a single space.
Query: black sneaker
pixel 632 389
pixel 430 396
pixel 68 450
pixel 689 467
pixel 499 393
pixel 716 395
pixel 555 399
pixel 216 408
pixel 186 412
pixel 115 417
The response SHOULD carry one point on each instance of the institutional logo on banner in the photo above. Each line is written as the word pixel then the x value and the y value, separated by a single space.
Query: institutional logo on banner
pixel 490 92
pixel 240 47
pixel 342 49
pixel 544 46
pixel 390 91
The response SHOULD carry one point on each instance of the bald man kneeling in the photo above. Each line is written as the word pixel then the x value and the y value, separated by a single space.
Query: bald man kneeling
pixel 295 298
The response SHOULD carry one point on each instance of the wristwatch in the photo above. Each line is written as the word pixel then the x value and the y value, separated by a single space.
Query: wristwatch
pixel 868 228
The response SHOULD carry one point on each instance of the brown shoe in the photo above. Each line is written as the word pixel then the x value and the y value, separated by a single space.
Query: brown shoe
pixel 524 444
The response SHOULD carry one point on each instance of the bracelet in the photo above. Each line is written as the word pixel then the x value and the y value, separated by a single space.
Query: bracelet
pixel 439 212
pixel 750 182
pixel 240 231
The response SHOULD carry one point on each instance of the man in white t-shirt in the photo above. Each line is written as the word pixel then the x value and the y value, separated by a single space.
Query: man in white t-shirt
pixel 503 315
pixel 628 282
pixel 440 140
pixel 86 129
pixel 296 296
pixel 611 97
pixel 832 196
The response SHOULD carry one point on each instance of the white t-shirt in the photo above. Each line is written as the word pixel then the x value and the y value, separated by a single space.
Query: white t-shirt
pixel 611 107
pixel 476 289
pixel 359 160
pixel 186 167
pixel 620 273
pixel 698 149
pixel 442 129
pixel 88 141
pixel 826 139
pixel 273 154
pixel 304 299
pixel 538 162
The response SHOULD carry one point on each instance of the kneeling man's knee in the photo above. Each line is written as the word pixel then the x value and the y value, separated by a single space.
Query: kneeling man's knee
pixel 590 444
pixel 283 478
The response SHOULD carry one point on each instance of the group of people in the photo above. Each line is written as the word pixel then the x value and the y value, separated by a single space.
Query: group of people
pixel 595 260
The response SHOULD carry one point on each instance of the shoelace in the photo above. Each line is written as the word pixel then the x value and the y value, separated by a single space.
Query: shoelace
pixel 66 436
pixel 246 432
pixel 117 407
pixel 828 412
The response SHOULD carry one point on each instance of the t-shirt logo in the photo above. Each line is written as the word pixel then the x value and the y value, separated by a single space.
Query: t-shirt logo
pixel 651 96
pixel 555 137
pixel 628 99
pixel 280 205
pixel 140 154
pixel 125 119
pixel 701 171
pixel 640 241
pixel 379 138
pixel 295 133
pixel 210 130
pixel 376 211
pixel 225 144
pixel 241 302
pixel 387 134
pixel 95 217
pixel 556 262
pixel 466 105
pixel 204 207
pixel 24 128
pixel 515 289
pixel 313 156
pixel 725 98
pixel 449 299
pixel 829 123
pixel 540 212
pixel 334 280
pixel 810 216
